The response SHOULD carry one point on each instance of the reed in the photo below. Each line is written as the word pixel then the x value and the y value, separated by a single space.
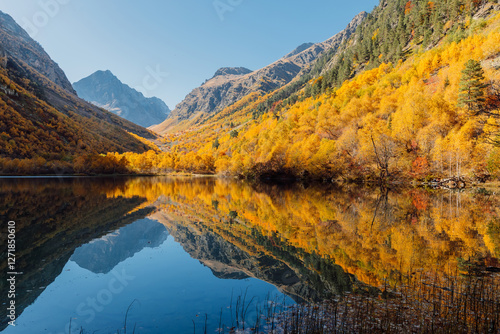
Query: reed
pixel 422 303
pixel 458 303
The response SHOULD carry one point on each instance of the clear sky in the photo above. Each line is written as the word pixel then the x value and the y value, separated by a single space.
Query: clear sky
pixel 166 48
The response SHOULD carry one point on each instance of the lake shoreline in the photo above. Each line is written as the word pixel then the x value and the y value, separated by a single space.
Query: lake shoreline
pixel 468 184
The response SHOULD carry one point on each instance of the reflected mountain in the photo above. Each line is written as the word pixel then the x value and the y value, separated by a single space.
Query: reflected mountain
pixel 371 233
pixel 53 218
pixel 102 255
pixel 311 242
pixel 281 266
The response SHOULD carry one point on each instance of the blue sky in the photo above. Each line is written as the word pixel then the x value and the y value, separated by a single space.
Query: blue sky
pixel 166 48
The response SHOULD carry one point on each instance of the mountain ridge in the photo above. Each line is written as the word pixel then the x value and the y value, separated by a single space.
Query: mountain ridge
pixel 41 116
pixel 220 92
pixel 105 90
pixel 231 71
pixel 394 86
pixel 299 49
pixel 31 53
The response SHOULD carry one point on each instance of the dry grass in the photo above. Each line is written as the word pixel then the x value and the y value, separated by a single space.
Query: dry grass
pixel 423 304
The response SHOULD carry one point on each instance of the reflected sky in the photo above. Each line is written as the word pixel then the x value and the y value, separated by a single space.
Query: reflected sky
pixel 167 287
pixel 102 255
pixel 177 248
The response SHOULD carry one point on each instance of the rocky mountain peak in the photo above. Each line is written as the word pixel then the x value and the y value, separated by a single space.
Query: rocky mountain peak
pixel 105 74
pixel 105 90
pixel 299 49
pixel 103 78
pixel 231 71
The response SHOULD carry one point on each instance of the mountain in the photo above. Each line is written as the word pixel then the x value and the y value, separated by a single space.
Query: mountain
pixel 228 86
pixel 387 104
pixel 231 71
pixel 105 90
pixel 41 116
pixel 299 49
pixel 22 47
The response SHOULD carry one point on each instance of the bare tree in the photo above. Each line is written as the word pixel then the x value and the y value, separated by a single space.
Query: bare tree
pixel 492 113
pixel 385 150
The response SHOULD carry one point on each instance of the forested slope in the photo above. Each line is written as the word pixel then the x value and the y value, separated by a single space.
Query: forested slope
pixel 398 100
pixel 43 124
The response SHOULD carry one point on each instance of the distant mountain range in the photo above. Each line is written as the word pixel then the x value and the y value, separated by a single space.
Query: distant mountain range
pixel 229 85
pixel 105 90
pixel 41 116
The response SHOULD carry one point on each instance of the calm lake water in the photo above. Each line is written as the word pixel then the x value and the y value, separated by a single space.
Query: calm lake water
pixel 178 252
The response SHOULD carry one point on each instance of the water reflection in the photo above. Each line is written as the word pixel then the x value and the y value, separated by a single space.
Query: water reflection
pixel 371 233
pixel 282 267
pixel 104 254
pixel 310 242
pixel 53 218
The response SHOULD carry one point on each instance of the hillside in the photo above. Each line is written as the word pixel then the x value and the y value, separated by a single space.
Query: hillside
pixel 21 46
pixel 40 115
pixel 228 87
pixel 105 90
pixel 381 108
pixel 384 100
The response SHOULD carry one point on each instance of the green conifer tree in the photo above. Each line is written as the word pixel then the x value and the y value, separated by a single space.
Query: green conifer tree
pixel 472 88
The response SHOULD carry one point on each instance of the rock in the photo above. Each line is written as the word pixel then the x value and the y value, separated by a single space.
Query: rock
pixel 486 10
pixel 105 90
pixel 231 71
pixel 299 49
